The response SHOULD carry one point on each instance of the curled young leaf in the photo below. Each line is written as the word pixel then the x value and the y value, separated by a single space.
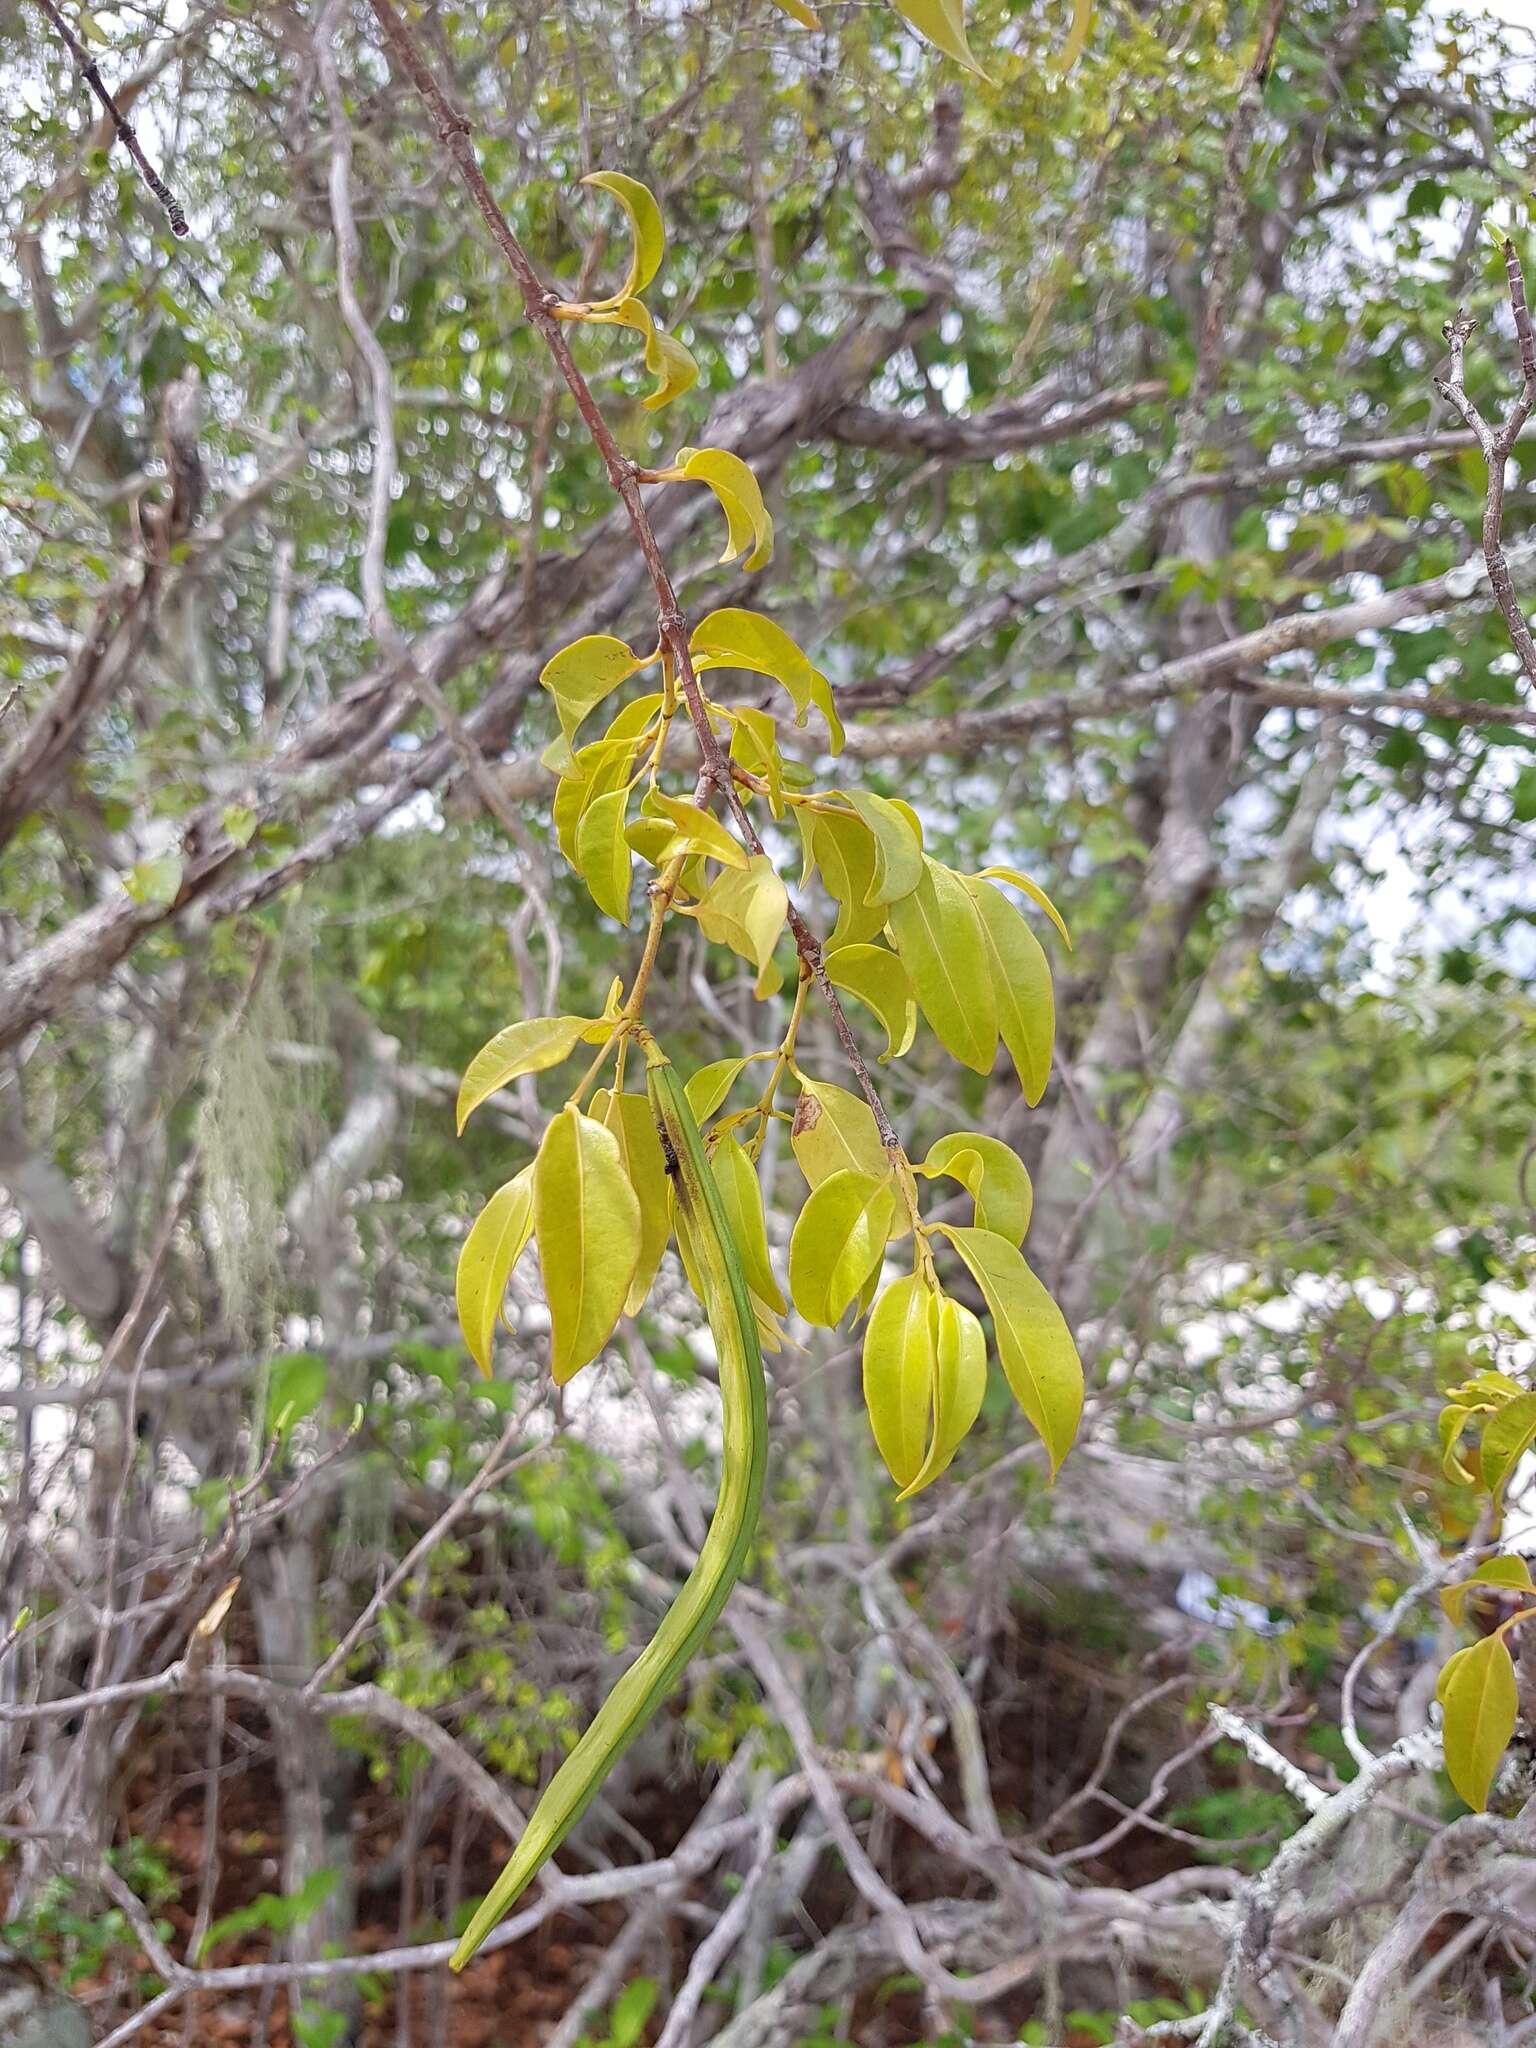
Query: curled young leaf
pixel 665 356
pixel 586 1217
pixel 648 238
pixel 1480 1703
pixel 1039 1358
pixel 749 525
pixel 900 1363
pixel 938 933
pixel 995 1176
pixel 843 848
pixel 525 1048
pixel 699 831
pixel 496 1241
pixel 1033 891
pixel 837 1241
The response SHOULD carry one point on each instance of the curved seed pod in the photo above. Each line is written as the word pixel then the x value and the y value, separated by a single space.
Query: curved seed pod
pixel 712 1258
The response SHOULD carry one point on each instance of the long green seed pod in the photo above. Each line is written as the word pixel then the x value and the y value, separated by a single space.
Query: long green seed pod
pixel 712 1259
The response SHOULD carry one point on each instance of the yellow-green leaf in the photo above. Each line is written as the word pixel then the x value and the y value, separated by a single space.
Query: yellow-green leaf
pixel 1507 1436
pixel 838 1239
pixel 586 1217
pixel 602 853
pixel 734 638
pixel 580 676
pixel 698 831
pixel 1033 891
pixel 745 909
pixel 755 744
pixel 843 848
pixel 942 23
pixel 749 525
pixel 898 849
pixel 496 1241
pixel 1480 1702
pixel 899 1366
pixel 798 11
pixel 834 1132
pixel 938 933
pixel 1452 1427
pixel 632 1123
pixel 708 1088
pixel 525 1048
pixel 880 981
pixel 742 1194
pixel 1505 1574
pixel 1039 1357
pixel 959 1387
pixel 665 356
pixel 1021 983
pixel 648 238
pixel 996 1178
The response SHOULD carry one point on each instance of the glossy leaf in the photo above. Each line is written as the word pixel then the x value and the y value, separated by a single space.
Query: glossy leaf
pixel 1507 1435
pixel 749 525
pixel 834 1131
pixel 942 23
pixel 879 980
pixel 837 1241
pixel 580 676
pixel 898 863
pixel 994 1176
pixel 632 1123
pixel 959 1387
pixel 1480 1702
pixel 733 638
pixel 665 356
pixel 700 831
pixel 1503 1574
pixel 1033 891
pixel 586 1217
pixel 745 909
pixel 496 1241
pixel 648 238
pixel 843 848
pixel 938 933
pixel 602 853
pixel 900 1364
pixel 525 1048
pixel 1021 985
pixel 742 1194
pixel 1038 1355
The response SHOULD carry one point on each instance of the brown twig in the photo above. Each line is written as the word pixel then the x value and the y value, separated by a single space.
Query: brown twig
pixel 1498 444
pixel 454 133
pixel 121 124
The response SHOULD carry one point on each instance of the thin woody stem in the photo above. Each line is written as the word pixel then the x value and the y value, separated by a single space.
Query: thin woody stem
pixel 454 132
pixel 122 126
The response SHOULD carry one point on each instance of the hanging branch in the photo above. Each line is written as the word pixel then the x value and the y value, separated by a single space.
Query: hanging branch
pixel 86 64
pixel 1498 445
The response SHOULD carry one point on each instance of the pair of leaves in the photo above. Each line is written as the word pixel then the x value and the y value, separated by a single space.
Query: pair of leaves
pixel 979 973
pixel 665 357
pixel 925 1373
pixel 749 525
pixel 745 908
pixel 578 1201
